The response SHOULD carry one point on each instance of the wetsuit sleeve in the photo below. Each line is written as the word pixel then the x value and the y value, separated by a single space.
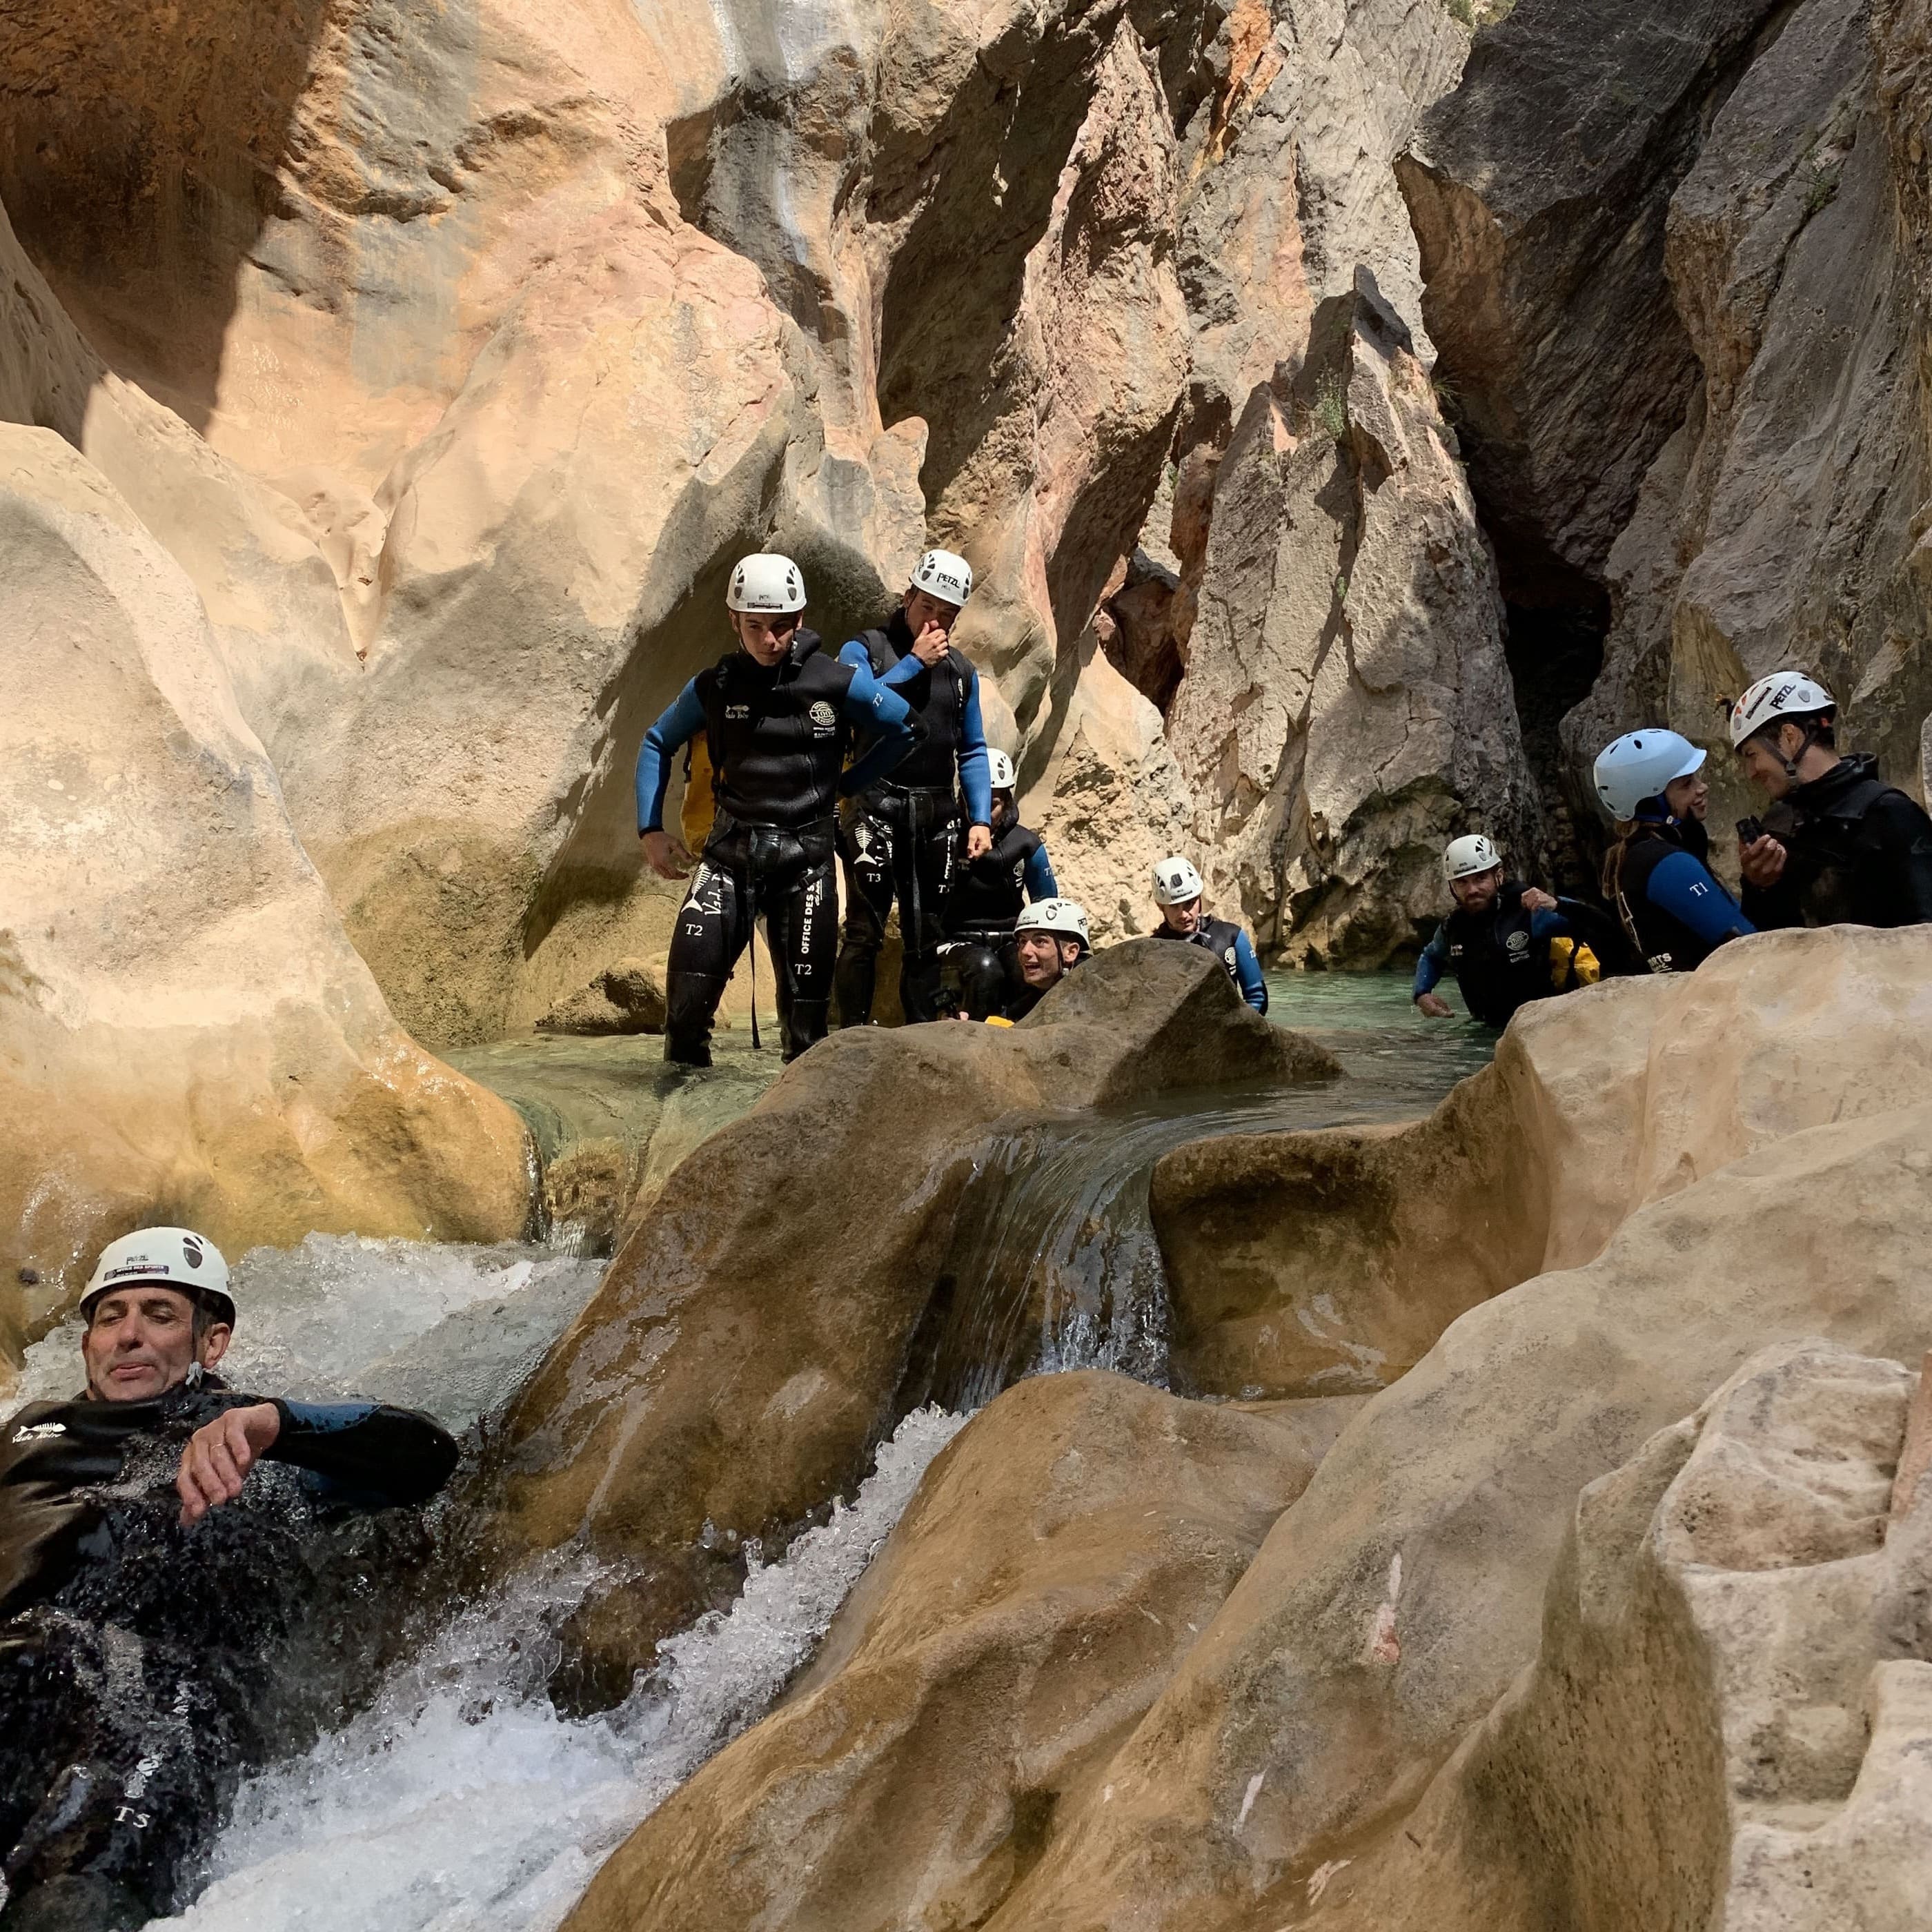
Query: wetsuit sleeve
pixel 1248 974
pixel 856 655
pixel 678 726
pixel 871 707
pixel 1685 889
pixel 1429 968
pixel 367 1454
pixel 1905 836
pixel 975 775
pixel 1040 883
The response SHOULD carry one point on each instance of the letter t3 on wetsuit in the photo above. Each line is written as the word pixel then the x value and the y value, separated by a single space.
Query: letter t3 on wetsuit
pixel 139 1659
pixel 777 738
pixel 898 837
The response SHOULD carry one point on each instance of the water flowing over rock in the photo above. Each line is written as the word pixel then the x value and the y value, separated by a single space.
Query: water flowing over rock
pixel 1054 1566
pixel 749 1338
pixel 188 1028
pixel 1427 1535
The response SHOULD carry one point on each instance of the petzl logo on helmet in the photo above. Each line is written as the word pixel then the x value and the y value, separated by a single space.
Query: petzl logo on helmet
pixel 191 1248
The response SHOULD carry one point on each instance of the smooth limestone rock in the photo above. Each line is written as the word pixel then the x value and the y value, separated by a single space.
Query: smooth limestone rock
pixel 742 1354
pixel 1058 1561
pixel 1731 1701
pixel 187 1035
pixel 1396 1601
pixel 627 998
pixel 1312 1263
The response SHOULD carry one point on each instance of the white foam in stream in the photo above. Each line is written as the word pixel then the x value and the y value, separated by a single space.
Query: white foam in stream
pixel 461 1802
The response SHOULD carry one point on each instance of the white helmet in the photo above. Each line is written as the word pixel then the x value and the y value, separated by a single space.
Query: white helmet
pixel 945 576
pixel 1467 857
pixel 176 1258
pixel 1639 765
pixel 768 584
pixel 1787 696
pixel 1000 774
pixel 1175 882
pixel 1066 919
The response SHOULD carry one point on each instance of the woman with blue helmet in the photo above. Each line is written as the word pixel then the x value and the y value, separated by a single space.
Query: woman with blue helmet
pixel 1656 875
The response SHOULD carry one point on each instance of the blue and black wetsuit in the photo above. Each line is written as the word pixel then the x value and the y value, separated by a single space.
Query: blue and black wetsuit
pixel 1232 947
pixel 897 838
pixel 989 893
pixel 778 739
pixel 141 1662
pixel 1675 912
pixel 1504 957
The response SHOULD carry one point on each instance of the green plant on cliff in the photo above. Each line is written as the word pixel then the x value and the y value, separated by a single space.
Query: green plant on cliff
pixel 1821 191
pixel 1331 408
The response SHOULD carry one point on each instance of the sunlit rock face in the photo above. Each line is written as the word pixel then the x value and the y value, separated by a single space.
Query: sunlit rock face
pixel 184 1018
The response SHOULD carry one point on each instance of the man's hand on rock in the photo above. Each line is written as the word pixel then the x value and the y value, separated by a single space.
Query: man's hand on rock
pixel 1436 1006
pixel 979 840
pixel 1763 861
pixel 1535 899
pixel 666 856
pixel 929 646
pixel 219 1455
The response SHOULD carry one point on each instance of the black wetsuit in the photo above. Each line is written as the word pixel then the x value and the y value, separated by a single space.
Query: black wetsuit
pixel 988 896
pixel 1675 912
pixel 139 1659
pixel 1502 957
pixel 1858 853
pixel 896 839
pixel 777 737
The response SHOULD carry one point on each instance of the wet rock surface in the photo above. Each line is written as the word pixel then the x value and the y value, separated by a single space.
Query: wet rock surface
pixel 744 1351
pixel 1054 1566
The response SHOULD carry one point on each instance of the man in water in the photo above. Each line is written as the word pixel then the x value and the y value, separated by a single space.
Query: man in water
pixel 1838 846
pixel 897 834
pixel 1178 891
pixel 153 1553
pixel 1506 943
pixel 778 714
pixel 989 892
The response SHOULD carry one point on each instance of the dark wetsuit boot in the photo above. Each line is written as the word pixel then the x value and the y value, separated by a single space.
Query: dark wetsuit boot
pixel 76 1902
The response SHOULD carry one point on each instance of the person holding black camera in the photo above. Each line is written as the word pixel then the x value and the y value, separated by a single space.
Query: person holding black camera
pixel 1837 846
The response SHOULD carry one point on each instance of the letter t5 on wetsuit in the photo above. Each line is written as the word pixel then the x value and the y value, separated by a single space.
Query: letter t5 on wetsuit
pixel 777 738
pixel 898 837
pixel 1505 956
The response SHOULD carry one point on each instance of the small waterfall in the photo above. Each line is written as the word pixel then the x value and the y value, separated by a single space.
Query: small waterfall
pixel 461 1801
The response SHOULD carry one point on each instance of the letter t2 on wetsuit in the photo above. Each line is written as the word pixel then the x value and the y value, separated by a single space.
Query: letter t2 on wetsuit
pixel 139 1659
pixel 1505 956
pixel 899 834
pixel 777 738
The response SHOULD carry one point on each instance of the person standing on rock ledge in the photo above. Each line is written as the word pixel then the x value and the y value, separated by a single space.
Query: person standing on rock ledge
pixel 1675 912
pixel 1838 846
pixel 898 834
pixel 778 714
pixel 1506 943
pixel 1178 891
pixel 155 1549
